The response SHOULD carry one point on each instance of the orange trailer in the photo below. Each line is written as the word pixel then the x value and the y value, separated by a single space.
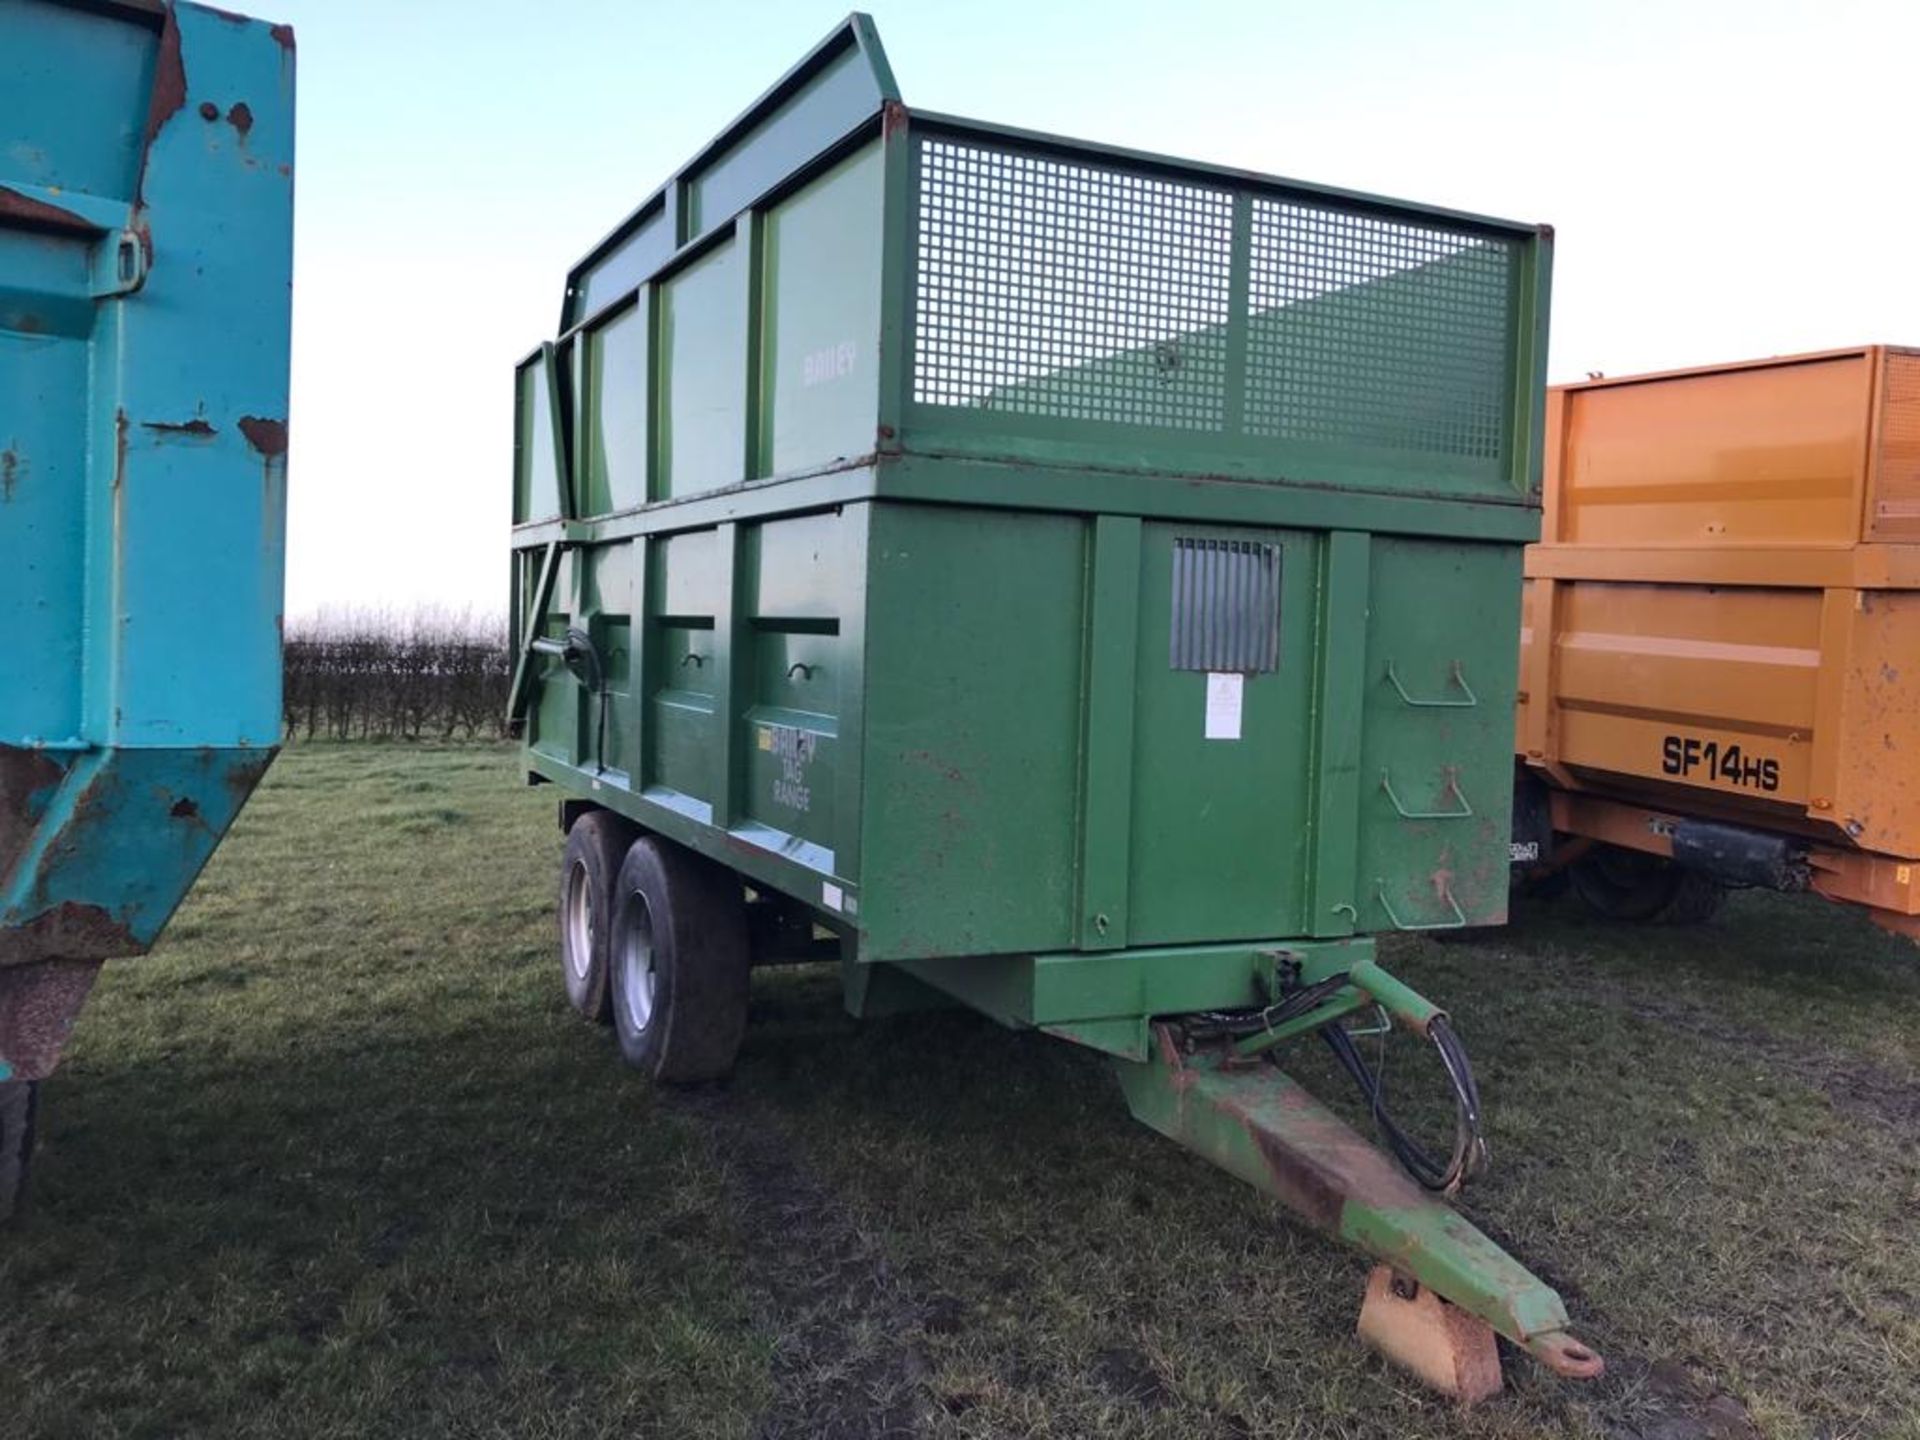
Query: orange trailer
pixel 1720 655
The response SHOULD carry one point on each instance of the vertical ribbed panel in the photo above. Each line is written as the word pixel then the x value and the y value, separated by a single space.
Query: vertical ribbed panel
pixel 1226 605
pixel 1895 512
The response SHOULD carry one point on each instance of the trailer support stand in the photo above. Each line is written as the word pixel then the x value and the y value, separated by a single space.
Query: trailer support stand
pixel 1448 1349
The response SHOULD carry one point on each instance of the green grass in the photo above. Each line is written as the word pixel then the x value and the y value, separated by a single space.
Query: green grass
pixel 336 1160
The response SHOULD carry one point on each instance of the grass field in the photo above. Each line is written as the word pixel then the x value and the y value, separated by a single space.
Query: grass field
pixel 337 1161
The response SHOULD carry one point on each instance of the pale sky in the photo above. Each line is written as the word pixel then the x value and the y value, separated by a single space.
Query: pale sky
pixel 1728 179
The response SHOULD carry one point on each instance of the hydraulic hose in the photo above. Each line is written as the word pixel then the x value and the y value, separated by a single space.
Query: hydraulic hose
pixel 1469 1154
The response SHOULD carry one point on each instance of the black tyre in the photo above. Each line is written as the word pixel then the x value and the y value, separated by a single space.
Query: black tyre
pixel 677 962
pixel 1621 884
pixel 1696 900
pixel 596 846
pixel 19 1104
pixel 1545 886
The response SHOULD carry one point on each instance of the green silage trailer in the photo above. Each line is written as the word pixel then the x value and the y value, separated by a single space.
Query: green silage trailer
pixel 1067 582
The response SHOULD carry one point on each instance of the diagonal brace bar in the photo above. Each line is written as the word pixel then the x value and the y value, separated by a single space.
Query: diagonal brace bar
pixel 530 634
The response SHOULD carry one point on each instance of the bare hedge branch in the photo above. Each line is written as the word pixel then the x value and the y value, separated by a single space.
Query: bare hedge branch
pixel 371 675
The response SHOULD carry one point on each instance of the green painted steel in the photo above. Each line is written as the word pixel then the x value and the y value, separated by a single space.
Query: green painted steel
pixel 1255 1123
pixel 961 725
pixel 1106 998
pixel 1347 1000
pixel 886 463
pixel 1369 984
pixel 1089 581
pixel 1398 999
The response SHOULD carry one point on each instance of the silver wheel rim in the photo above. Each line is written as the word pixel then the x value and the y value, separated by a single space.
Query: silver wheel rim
pixel 636 963
pixel 579 921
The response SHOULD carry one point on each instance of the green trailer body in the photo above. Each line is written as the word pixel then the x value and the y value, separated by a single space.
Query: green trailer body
pixel 1085 583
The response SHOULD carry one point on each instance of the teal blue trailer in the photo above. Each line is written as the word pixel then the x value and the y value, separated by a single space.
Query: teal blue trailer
pixel 1083 583
pixel 146 206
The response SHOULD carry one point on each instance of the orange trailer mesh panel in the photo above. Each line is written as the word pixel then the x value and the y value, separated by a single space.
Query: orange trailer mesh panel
pixel 1722 620
pixel 1896 509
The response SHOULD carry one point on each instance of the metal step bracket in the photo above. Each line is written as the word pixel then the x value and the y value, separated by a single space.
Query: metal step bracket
pixel 1456 677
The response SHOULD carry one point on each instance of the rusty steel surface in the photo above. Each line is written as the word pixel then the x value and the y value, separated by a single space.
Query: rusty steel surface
pixel 26 211
pixel 1253 1121
pixel 145 258
pixel 27 782
pixel 102 850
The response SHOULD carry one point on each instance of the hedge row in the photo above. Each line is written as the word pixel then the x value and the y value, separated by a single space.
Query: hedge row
pixel 372 677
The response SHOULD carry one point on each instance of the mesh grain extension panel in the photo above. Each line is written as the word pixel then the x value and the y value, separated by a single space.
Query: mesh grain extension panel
pixel 1091 296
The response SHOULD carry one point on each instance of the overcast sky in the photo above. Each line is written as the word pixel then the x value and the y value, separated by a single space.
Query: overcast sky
pixel 1726 179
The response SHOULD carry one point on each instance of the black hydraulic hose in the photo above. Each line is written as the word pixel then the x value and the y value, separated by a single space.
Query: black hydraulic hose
pixel 1469 1147
pixel 584 661
pixel 1289 1006
pixel 1298 1002
pixel 1469 1152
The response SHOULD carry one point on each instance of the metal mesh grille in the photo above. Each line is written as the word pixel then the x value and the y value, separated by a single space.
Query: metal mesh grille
pixel 1226 605
pixel 1054 289
pixel 1377 332
pixel 1896 514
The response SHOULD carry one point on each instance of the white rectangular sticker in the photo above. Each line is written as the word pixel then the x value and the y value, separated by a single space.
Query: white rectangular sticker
pixel 1223 705
pixel 832 896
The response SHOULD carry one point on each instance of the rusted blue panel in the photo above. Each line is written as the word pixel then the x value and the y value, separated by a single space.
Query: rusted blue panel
pixel 146 208
pixel 110 843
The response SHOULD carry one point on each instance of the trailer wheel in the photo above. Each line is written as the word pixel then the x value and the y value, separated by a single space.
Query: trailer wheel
pixel 678 962
pixel 19 1105
pixel 1621 884
pixel 596 845
pixel 1696 899
pixel 1546 886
